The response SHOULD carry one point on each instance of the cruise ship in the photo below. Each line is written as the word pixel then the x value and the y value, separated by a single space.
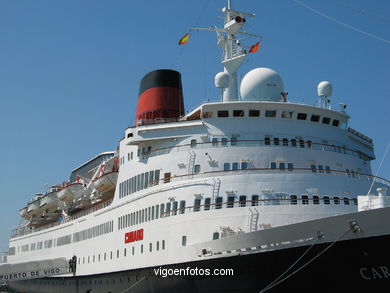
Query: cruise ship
pixel 253 193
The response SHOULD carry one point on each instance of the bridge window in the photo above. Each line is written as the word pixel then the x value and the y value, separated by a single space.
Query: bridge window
pixel 287 114
pixel 270 113
pixel 301 116
pixel 254 113
pixel 327 169
pixel 315 118
pixel 215 235
pixel 238 113
pixel 301 143
pixel 326 120
pixel 320 169
pixel 174 207
pixel 182 206
pixel 335 122
pixel 223 113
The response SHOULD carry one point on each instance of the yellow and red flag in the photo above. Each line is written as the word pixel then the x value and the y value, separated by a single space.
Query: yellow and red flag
pixel 184 39
pixel 254 48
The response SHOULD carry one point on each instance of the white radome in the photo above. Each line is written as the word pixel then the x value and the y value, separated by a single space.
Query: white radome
pixel 324 89
pixel 261 84
pixel 222 80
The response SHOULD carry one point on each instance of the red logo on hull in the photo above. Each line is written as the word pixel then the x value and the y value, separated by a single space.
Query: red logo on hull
pixel 136 235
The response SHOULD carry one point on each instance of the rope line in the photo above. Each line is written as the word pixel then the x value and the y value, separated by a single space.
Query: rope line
pixel 307 263
pixel 342 23
pixel 380 165
pixel 132 286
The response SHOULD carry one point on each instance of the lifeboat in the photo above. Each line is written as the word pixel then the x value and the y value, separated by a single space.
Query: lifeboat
pixel 49 202
pixel 34 207
pixel 23 212
pixel 106 182
pixel 70 192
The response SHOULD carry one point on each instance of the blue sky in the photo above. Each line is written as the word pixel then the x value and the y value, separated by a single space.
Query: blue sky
pixel 70 71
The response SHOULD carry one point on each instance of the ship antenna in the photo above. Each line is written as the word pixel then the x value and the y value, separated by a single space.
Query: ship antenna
pixel 233 53
pixel 380 165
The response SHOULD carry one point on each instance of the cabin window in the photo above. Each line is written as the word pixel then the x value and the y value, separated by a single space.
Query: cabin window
pixel 326 200
pixel 182 206
pixel 320 169
pixel 214 142
pixel 235 166
pixel 167 177
pixel 285 142
pixel 336 200
pixel 315 118
pixel 255 200
pixel 226 166
pixel 193 143
pixel 293 199
pixel 142 248
pixel 313 168
pixel 223 113
pixel 293 142
pixel 150 247
pixel 301 116
pixel 224 141
pixel 301 143
pixel 207 114
pixel 242 200
pixel 267 141
pixel 309 144
pixel 290 166
pixel 183 240
pixel 270 113
pixel 254 113
pixel 197 169
pixel 326 120
pixel 233 141
pixel 218 202
pixel 168 209
pixel 276 141
pixel 327 169
pixel 335 123
pixel 230 202
pixel 316 199
pixel 305 199
pixel 238 113
pixel 282 166
pixel 207 202
pixel 215 235
pixel 273 165
pixel 174 207
pixel 157 245
pixel 346 201
pixel 244 165
pixel 161 210
pixel 197 202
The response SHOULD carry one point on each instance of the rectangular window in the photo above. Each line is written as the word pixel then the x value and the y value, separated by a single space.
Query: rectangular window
pixel 138 186
pixel 230 202
pixel 293 142
pixel 146 180
pixel 242 200
pixel 270 113
pixel 214 142
pixel 157 212
pixel 336 200
pixel 183 240
pixel 161 210
pixel 316 199
pixel 174 208
pixel 320 169
pixel 238 113
pixel 276 141
pixel 305 199
pixel 326 200
pixel 267 141
pixel 335 122
pixel 226 166
pixel 326 120
pixel 315 118
pixel 168 209
pixel 255 200
pixel 207 202
pixel 313 168
pixel 197 169
pixel 233 141
pixel 142 180
pixel 218 202
pixel 224 141
pixel 197 202
pixel 235 166
pixel 290 166
pixel 254 113
pixel 156 176
pixel 282 166
pixel 293 199
pixel 193 143
pixel 223 113
pixel 167 177
pixel 244 165
pixel 182 206
pixel 301 143
pixel 301 116
pixel 273 165
pixel 285 142
pixel 346 201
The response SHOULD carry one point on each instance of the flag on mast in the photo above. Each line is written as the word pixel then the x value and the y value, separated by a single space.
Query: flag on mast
pixel 254 48
pixel 184 39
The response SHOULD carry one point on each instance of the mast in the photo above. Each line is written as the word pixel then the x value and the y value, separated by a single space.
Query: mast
pixel 233 53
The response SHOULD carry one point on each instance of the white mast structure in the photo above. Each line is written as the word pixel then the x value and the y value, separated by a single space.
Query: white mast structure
pixel 233 53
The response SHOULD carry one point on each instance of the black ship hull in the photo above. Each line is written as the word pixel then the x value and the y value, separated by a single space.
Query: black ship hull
pixel 358 265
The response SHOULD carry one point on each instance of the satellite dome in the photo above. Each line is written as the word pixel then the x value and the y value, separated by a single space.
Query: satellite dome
pixel 222 80
pixel 261 84
pixel 324 89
